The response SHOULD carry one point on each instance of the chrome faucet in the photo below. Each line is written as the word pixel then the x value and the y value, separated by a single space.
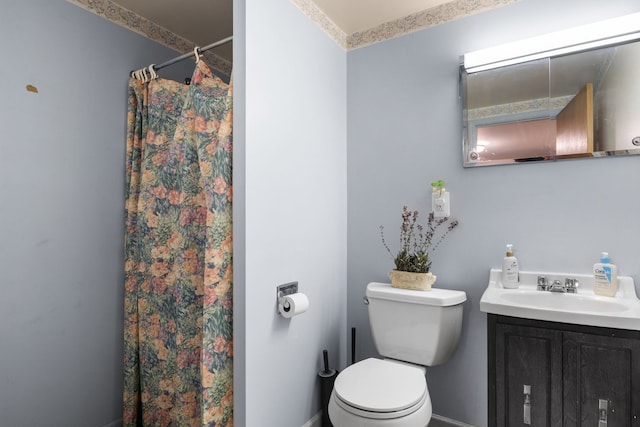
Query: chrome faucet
pixel 570 285
pixel 543 285
pixel 557 286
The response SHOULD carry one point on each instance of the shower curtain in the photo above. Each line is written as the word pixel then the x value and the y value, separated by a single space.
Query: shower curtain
pixel 178 348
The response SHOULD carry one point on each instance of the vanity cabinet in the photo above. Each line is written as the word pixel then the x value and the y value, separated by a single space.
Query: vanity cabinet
pixel 547 374
pixel 601 376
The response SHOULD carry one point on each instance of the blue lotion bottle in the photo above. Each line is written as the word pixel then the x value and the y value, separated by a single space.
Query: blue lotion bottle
pixel 605 277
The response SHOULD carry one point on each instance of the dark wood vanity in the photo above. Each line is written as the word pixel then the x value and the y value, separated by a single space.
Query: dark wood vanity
pixel 557 374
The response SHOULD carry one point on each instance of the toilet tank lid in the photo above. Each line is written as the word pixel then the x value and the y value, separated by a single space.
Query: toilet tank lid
pixel 435 296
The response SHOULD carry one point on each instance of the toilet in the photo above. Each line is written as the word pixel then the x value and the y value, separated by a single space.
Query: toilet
pixel 411 330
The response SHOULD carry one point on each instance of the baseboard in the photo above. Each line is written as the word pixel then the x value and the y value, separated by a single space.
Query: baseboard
pixel 436 421
pixel 440 421
pixel 315 421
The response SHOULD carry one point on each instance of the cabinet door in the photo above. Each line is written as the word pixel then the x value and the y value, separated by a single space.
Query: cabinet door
pixel 599 372
pixel 528 359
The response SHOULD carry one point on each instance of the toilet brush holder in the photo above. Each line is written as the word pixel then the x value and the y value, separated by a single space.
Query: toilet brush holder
pixel 327 378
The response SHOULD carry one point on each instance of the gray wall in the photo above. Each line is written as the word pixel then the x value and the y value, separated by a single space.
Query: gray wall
pixel 61 211
pixel 404 130
pixel 290 171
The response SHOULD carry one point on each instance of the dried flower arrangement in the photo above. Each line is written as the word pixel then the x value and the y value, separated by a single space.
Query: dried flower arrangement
pixel 417 241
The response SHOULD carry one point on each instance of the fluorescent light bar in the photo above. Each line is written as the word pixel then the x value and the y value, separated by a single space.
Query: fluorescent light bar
pixel 612 31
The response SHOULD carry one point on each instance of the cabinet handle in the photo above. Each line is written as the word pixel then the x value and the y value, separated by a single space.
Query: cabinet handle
pixel 603 405
pixel 526 418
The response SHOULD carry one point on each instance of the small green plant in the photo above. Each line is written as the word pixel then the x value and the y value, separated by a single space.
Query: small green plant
pixel 417 241
pixel 438 185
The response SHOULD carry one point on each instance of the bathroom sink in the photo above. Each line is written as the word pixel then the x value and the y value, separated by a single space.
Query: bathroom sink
pixel 566 302
pixel 583 308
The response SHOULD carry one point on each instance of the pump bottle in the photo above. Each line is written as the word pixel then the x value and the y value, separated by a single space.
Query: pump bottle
pixel 510 272
pixel 605 277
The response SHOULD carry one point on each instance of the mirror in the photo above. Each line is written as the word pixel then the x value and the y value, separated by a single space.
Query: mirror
pixel 576 105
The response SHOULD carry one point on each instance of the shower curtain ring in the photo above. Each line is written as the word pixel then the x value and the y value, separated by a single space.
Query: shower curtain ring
pixel 152 72
pixel 196 53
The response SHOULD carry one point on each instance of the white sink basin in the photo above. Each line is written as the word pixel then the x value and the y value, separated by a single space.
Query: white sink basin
pixel 564 302
pixel 583 308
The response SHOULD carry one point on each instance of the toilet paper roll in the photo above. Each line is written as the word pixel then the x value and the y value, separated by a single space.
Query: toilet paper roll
pixel 292 305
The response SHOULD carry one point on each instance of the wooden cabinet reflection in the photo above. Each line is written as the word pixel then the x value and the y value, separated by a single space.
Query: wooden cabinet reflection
pixel 569 134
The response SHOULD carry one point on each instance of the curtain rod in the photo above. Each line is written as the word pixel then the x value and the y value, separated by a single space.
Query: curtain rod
pixel 143 71
pixel 190 54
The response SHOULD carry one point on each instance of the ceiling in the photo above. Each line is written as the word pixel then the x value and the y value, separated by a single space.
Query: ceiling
pixel 199 21
pixel 206 21
pixel 357 15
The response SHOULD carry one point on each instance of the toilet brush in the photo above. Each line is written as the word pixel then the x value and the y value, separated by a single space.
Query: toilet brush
pixel 327 378
pixel 353 345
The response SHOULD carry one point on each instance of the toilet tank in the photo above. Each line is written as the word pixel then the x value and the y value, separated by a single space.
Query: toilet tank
pixel 421 327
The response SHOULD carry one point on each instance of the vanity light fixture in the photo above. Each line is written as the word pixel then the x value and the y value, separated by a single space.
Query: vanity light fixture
pixel 612 31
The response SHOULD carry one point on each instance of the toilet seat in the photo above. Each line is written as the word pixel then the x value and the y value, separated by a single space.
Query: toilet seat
pixel 381 389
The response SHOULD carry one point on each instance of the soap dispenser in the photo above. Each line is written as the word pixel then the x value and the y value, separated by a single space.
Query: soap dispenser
pixel 605 277
pixel 510 272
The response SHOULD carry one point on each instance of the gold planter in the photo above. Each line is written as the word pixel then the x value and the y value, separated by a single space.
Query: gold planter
pixel 410 280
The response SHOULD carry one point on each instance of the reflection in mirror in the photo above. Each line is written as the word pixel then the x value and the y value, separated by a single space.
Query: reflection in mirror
pixel 508 113
pixel 583 104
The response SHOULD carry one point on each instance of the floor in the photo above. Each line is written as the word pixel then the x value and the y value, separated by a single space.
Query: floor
pixel 438 421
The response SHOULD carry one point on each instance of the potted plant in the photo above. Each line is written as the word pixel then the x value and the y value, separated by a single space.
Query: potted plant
pixel 417 242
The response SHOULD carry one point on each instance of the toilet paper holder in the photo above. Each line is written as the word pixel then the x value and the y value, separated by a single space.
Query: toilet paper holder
pixel 286 289
pixel 282 291
pixel 291 302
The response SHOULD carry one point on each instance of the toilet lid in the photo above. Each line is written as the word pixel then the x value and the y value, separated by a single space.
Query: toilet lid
pixel 381 386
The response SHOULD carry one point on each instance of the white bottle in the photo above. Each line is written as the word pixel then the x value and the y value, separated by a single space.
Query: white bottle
pixel 605 277
pixel 510 274
pixel 440 203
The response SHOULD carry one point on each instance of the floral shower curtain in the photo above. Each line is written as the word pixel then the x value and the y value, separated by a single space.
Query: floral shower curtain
pixel 178 348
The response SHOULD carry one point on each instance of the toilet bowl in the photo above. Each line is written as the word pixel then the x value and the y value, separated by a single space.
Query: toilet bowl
pixel 380 393
pixel 411 330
